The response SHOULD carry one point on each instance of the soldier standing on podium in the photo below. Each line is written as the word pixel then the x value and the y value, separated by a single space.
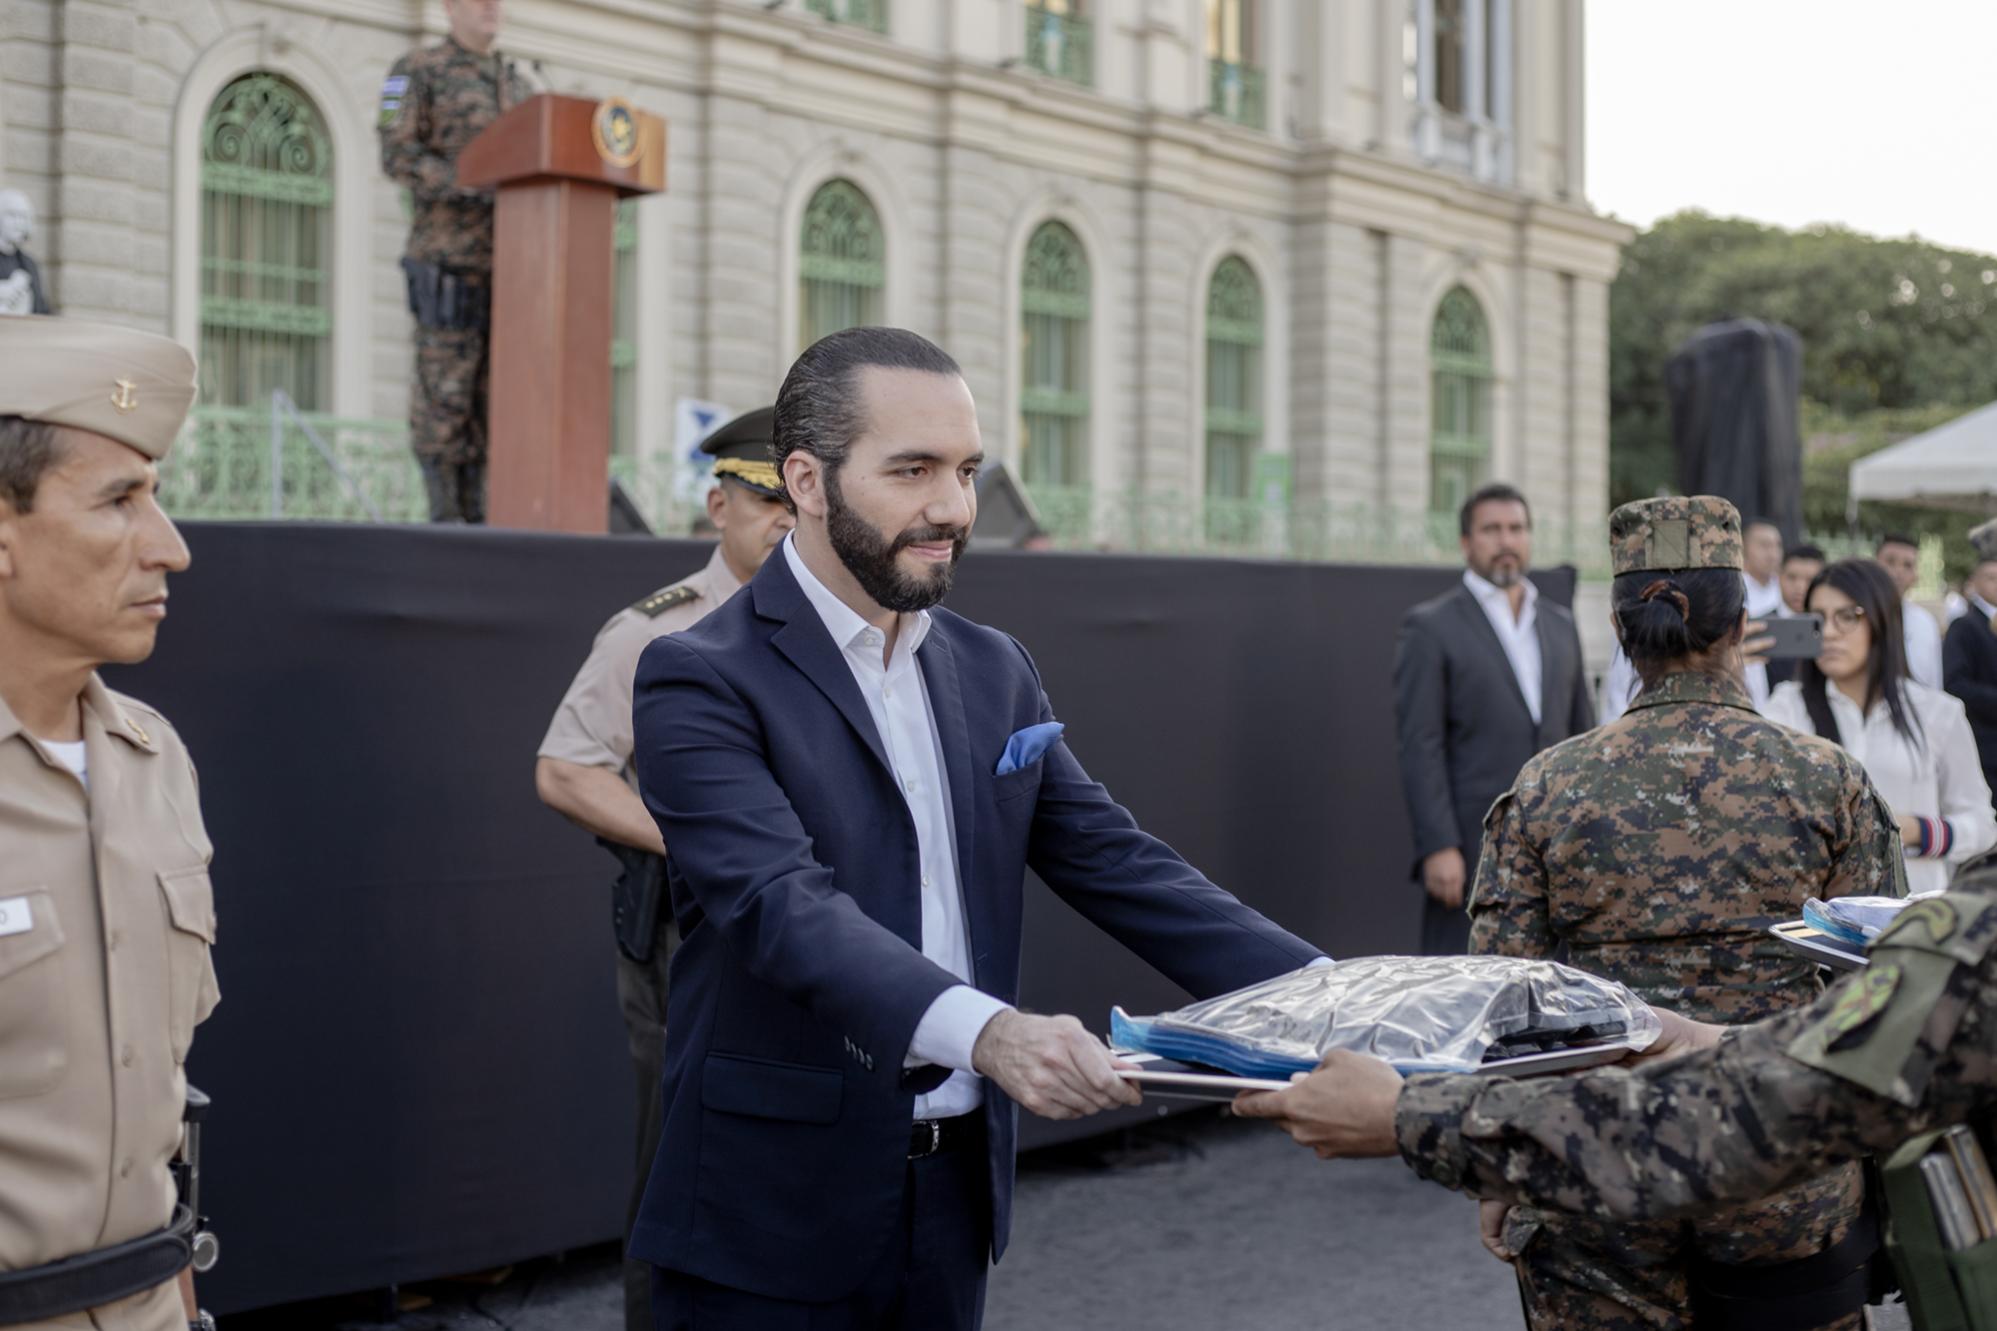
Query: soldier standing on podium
pixel 584 770
pixel 434 102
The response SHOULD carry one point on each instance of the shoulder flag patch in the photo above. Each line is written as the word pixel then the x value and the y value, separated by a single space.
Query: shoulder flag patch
pixel 392 92
pixel 659 602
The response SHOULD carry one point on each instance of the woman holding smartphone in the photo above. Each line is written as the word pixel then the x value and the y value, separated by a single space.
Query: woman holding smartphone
pixel 1913 741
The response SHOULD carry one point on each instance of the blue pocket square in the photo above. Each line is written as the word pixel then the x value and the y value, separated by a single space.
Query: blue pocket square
pixel 1028 746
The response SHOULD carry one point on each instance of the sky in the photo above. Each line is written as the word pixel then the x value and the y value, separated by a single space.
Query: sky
pixel 1877 114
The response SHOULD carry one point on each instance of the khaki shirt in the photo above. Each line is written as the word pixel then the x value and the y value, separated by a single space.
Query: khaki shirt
pixel 106 919
pixel 592 727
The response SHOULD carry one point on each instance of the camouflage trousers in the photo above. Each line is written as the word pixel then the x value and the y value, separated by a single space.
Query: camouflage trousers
pixel 447 418
pixel 1581 1274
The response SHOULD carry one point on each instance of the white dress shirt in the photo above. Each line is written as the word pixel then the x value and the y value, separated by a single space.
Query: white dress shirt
pixel 1519 637
pixel 1924 644
pixel 1943 781
pixel 898 702
pixel 1764 599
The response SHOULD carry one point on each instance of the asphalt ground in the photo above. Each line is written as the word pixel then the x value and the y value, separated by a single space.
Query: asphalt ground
pixel 1199 1221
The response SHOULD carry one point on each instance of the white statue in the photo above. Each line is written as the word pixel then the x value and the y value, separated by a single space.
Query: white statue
pixel 21 288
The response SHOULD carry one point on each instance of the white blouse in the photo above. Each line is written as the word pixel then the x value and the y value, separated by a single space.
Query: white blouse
pixel 1941 782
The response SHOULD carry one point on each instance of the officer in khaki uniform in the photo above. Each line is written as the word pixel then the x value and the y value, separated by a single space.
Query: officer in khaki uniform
pixel 584 769
pixel 106 914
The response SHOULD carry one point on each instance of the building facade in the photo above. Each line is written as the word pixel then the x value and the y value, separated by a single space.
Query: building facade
pixel 1324 256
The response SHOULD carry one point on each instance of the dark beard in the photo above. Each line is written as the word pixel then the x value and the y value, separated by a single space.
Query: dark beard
pixel 870 557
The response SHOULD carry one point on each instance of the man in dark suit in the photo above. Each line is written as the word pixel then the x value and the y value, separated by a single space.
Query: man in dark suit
pixel 853 785
pixel 1485 676
pixel 1969 651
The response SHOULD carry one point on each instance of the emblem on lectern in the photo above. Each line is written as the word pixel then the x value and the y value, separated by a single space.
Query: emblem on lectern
pixel 615 129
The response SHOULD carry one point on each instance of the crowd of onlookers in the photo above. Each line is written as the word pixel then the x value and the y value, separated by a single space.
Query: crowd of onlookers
pixel 1775 727
pixel 1489 675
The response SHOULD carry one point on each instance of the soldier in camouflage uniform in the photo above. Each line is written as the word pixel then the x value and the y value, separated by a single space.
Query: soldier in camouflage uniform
pixel 1658 849
pixel 434 102
pixel 1906 1046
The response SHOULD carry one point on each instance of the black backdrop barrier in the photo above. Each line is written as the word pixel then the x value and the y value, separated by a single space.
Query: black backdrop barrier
pixel 418 1066
pixel 1735 401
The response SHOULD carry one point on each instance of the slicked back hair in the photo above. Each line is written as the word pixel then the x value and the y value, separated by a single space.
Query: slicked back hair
pixel 819 409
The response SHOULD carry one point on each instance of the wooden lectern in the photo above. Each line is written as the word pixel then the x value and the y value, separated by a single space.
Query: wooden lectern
pixel 559 164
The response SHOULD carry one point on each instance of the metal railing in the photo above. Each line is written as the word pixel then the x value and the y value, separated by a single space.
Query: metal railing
pixel 1312 531
pixel 261 463
pixel 1060 45
pixel 250 463
pixel 1235 92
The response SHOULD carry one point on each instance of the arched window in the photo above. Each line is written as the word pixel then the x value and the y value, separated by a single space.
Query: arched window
pixel 1234 379
pixel 624 330
pixel 266 246
pixel 843 269
pixel 1460 368
pixel 1054 353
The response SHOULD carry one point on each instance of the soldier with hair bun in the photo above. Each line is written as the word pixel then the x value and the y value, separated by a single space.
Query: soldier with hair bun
pixel 1656 851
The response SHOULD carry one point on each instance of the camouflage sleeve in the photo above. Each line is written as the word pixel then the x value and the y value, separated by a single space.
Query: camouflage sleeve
pixel 1908 1044
pixel 1870 863
pixel 1508 902
pixel 406 156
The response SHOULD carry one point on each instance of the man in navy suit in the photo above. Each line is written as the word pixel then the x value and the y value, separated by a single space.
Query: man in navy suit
pixel 851 786
pixel 1969 651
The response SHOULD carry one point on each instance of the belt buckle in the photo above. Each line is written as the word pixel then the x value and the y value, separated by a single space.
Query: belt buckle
pixel 935 1126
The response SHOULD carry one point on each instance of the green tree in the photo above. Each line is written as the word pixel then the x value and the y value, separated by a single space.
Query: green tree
pixel 1887 325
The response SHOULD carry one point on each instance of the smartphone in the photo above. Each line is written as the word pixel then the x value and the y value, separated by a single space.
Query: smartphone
pixel 1797 637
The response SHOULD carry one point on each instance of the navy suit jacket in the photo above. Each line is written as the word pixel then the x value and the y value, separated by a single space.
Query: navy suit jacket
pixel 793 871
pixel 1969 671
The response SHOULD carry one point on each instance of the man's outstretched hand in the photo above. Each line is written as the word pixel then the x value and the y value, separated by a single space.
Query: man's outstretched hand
pixel 1051 1066
pixel 1344 1109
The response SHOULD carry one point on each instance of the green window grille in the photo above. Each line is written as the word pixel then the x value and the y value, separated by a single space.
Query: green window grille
pixel 869 14
pixel 1234 379
pixel 1460 365
pixel 266 241
pixel 1054 352
pixel 1235 83
pixel 624 330
pixel 1060 40
pixel 842 270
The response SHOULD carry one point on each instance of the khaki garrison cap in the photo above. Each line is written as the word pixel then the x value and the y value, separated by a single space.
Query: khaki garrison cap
pixel 130 386
pixel 1674 535
pixel 1983 539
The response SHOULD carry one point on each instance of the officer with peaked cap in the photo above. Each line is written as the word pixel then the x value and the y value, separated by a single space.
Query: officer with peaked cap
pixel 106 914
pixel 1654 851
pixel 584 768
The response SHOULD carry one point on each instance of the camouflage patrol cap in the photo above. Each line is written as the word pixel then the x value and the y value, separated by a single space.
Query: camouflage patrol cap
pixel 1983 540
pixel 1675 534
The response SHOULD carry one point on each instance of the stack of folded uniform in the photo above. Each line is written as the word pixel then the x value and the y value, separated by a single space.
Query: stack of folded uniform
pixel 1853 921
pixel 1422 1014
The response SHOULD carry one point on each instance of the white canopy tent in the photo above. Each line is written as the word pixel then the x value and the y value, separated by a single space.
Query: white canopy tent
pixel 1952 466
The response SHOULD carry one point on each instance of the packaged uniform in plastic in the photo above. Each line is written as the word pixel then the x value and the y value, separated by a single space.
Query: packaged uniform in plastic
pixel 1422 1014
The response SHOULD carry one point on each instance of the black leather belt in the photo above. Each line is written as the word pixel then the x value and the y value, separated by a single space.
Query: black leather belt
pixel 93 1279
pixel 934 1136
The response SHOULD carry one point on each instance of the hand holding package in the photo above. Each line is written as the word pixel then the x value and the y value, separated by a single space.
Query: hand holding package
pixel 1422 1014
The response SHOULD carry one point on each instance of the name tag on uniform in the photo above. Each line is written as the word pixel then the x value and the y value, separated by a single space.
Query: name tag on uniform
pixel 16 916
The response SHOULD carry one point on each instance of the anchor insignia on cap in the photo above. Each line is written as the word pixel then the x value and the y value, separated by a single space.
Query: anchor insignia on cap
pixel 125 396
